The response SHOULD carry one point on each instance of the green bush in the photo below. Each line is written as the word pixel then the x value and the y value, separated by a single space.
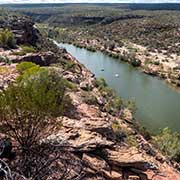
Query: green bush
pixel 168 143
pixel 124 135
pixel 24 50
pixel 22 67
pixel 89 98
pixel 68 64
pixel 5 59
pixel 90 48
pixel 28 49
pixel 114 105
pixel 100 83
pixel 136 62
pixel 19 53
pixel 132 141
pixel 130 104
pixel 118 131
pixel 7 39
pixel 29 106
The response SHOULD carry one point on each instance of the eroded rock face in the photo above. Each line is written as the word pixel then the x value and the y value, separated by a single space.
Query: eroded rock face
pixel 84 135
pixel 89 134
pixel 23 30
pixel 42 58
pixel 91 137
pixel 95 141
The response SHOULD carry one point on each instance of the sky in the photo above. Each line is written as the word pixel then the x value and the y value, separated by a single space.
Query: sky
pixel 89 1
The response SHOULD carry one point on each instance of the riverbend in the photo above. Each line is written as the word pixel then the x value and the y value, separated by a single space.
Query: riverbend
pixel 158 105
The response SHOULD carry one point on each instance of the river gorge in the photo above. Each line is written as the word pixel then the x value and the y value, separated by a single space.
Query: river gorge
pixel 157 103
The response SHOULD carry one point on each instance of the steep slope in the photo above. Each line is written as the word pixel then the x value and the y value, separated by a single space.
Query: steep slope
pixel 92 142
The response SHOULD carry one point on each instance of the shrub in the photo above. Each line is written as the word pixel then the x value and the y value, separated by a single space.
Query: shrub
pixel 29 106
pixel 7 39
pixel 114 105
pixel 93 49
pixel 132 141
pixel 5 59
pixel 168 143
pixel 131 105
pixel 100 83
pixel 142 130
pixel 124 135
pixel 107 92
pixel 89 98
pixel 68 65
pixel 22 67
pixel 118 131
pixel 28 49
pixel 24 50
pixel 136 62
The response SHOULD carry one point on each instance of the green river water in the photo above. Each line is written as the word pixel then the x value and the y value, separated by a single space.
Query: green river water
pixel 158 105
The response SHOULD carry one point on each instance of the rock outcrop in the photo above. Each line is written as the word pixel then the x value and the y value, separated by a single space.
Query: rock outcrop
pixel 41 58
pixel 22 27
pixel 86 144
pixel 87 134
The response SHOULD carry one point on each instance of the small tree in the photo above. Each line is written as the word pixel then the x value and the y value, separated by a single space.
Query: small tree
pixel 27 107
pixel 7 39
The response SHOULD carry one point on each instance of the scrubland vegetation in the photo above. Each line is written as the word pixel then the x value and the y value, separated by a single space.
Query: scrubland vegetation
pixel 111 27
pixel 168 143
pixel 7 39
pixel 27 105
pixel 33 106
pixel 24 50
pixel 117 31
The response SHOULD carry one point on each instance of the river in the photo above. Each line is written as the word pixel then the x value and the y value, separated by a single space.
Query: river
pixel 158 105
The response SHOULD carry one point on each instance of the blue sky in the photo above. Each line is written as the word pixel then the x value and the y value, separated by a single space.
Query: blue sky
pixel 89 1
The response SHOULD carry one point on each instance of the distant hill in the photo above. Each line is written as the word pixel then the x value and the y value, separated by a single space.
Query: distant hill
pixel 133 6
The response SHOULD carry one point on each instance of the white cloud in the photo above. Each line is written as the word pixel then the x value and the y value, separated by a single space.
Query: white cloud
pixel 89 1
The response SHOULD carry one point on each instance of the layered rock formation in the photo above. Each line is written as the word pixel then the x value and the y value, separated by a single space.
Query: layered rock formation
pixel 87 146
pixel 87 133
pixel 22 28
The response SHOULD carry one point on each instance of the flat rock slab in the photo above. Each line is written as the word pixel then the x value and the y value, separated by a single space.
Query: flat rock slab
pixel 129 158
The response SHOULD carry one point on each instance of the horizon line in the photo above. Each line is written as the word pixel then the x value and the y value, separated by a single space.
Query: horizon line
pixel 20 3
